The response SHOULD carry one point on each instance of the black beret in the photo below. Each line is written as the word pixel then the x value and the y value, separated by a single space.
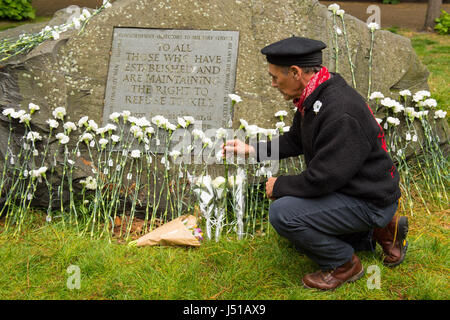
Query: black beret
pixel 302 52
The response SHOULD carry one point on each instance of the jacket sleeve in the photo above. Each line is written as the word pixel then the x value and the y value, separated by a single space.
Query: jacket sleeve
pixel 340 149
pixel 289 144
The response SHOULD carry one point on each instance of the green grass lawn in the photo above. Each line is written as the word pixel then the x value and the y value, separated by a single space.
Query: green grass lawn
pixel 261 268
pixel 34 265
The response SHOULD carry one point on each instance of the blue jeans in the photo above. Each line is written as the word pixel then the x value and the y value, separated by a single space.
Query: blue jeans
pixel 328 229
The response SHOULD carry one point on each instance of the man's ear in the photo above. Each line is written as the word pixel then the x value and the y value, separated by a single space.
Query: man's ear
pixel 297 72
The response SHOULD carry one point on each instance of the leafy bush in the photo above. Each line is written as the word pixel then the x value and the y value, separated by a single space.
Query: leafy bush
pixel 443 23
pixel 391 1
pixel 16 9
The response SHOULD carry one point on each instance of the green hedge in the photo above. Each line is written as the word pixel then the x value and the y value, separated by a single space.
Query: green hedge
pixel 443 23
pixel 16 9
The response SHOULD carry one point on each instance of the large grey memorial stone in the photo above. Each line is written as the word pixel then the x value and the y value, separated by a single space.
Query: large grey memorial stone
pixel 172 73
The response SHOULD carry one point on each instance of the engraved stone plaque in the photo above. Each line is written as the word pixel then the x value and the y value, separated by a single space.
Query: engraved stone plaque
pixel 172 73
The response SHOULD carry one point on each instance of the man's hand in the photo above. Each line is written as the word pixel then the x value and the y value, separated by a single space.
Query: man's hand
pixel 237 147
pixel 269 187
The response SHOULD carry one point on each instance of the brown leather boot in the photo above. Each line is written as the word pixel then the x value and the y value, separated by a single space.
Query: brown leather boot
pixel 392 239
pixel 329 280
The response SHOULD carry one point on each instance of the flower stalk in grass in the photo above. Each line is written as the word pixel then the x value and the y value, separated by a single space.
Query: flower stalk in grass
pixel 334 8
pixel 340 13
pixel 7 113
pixel 237 184
pixel 372 27
pixel 220 189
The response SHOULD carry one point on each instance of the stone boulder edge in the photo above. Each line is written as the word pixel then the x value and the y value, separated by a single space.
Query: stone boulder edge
pixel 73 71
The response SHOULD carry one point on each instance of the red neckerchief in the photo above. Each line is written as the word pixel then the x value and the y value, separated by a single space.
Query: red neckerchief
pixel 319 78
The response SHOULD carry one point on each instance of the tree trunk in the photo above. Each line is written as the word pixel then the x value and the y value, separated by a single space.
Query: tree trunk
pixel 433 12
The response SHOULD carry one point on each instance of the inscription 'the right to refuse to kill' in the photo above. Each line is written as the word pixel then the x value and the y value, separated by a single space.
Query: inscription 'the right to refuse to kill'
pixel 172 73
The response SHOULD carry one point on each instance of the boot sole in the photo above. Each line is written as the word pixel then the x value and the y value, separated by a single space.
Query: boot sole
pixel 352 279
pixel 402 231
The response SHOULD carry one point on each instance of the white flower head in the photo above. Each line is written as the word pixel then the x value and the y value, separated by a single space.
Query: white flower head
pixel 207 142
pixel 126 114
pixel 86 137
pixel 388 102
pixel 420 95
pixel 252 130
pixel 338 30
pixel 63 139
pixel 373 26
pixel 182 122
pixel 114 116
pixel 33 107
pixel 160 121
pixel 189 119
pixel 33 136
pixel 7 112
pixel 83 121
pixel 405 93
pixel 59 113
pixel 198 134
pixel 376 95
pixel 55 35
pixel 92 125
pixel 398 108
pixel 25 118
pixel 90 183
pixel 218 182
pixel 333 8
pixel 143 122
pixel 244 124
pixel 149 131
pixel 171 126
pixel 234 98
pixel 86 13
pixel 136 154
pixel 17 114
pixel 281 113
pixel 103 142
pixel 280 124
pixel 440 114
pixel 340 12
pixel 393 121
pixel 115 138
pixel 221 133
pixel 70 126
pixel 174 154
pixel 431 103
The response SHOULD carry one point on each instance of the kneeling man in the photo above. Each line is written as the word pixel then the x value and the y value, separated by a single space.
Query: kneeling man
pixel 347 197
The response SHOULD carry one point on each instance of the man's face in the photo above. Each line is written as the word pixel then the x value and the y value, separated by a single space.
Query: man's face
pixel 287 81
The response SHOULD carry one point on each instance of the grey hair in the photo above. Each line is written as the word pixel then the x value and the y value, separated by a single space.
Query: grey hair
pixel 307 70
